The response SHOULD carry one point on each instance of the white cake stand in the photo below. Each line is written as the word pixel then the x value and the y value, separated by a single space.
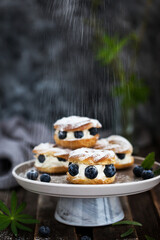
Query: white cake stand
pixel 87 205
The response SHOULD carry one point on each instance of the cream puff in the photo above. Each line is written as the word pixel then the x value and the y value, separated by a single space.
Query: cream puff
pixel 76 132
pixel 122 148
pixel 51 159
pixel 91 166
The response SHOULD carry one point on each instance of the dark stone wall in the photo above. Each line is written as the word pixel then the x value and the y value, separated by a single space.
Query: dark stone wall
pixel 47 60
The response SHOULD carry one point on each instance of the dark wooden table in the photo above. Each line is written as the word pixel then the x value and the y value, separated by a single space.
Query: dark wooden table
pixel 144 207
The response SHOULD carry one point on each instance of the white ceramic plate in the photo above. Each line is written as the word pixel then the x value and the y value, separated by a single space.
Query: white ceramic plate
pixel 125 184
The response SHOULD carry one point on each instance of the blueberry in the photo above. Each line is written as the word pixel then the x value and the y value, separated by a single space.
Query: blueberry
pixel 78 134
pixel 110 170
pixel 62 159
pixel 45 177
pixel 41 158
pixel 69 163
pixel 32 174
pixel 44 231
pixel 137 170
pixel 62 134
pixel 91 172
pixel 73 169
pixel 85 238
pixel 121 156
pixel 146 174
pixel 93 131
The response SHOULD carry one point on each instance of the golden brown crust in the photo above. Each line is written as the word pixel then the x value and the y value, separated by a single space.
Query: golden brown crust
pixel 74 144
pixel 90 161
pixel 49 149
pixel 125 165
pixel 90 156
pixel 116 146
pixel 81 128
pixel 76 123
pixel 53 169
pixel 90 181
pixel 54 155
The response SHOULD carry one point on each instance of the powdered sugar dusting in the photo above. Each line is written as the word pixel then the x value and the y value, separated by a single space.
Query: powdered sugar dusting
pixel 44 146
pixel 104 144
pixel 97 155
pixel 49 147
pixel 74 122
pixel 123 142
pixel 115 142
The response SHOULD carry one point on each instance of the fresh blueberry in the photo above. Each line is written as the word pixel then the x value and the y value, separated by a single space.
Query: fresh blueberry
pixel 146 174
pixel 121 156
pixel 41 158
pixel 69 163
pixel 45 177
pixel 62 134
pixel 44 231
pixel 78 134
pixel 85 238
pixel 137 170
pixel 110 170
pixel 91 172
pixel 62 159
pixel 93 131
pixel 32 174
pixel 73 169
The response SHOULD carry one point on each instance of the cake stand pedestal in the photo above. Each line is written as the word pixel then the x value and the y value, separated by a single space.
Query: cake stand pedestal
pixel 87 205
pixel 89 212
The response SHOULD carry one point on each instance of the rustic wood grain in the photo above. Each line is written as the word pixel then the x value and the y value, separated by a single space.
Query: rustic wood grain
pixel 144 208
pixel 45 214
pixel 113 232
pixel 144 211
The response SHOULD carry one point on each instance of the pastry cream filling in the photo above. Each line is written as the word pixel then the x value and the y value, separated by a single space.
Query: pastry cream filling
pixel 51 161
pixel 70 135
pixel 125 160
pixel 82 167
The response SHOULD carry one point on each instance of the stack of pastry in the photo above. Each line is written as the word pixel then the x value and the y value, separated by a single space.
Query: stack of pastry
pixel 78 152
pixel 75 132
pixel 90 166
pixel 122 148
pixel 51 159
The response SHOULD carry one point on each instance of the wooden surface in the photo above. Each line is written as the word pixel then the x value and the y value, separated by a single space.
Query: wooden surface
pixel 144 207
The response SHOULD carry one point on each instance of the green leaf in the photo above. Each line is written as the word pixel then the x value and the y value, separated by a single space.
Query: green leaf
pixel 13 228
pixel 111 48
pixel 21 207
pixel 23 216
pixel 4 208
pixel 130 230
pixel 13 202
pixel 1 212
pixel 128 222
pixel 3 218
pixel 22 227
pixel 149 161
pixel 4 224
pixel 157 172
pixel 28 221
pixel 149 238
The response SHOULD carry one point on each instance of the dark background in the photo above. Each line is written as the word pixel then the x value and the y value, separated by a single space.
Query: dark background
pixel 48 67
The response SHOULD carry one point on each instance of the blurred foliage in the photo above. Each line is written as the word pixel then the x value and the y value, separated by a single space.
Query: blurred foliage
pixel 111 48
pixel 132 90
